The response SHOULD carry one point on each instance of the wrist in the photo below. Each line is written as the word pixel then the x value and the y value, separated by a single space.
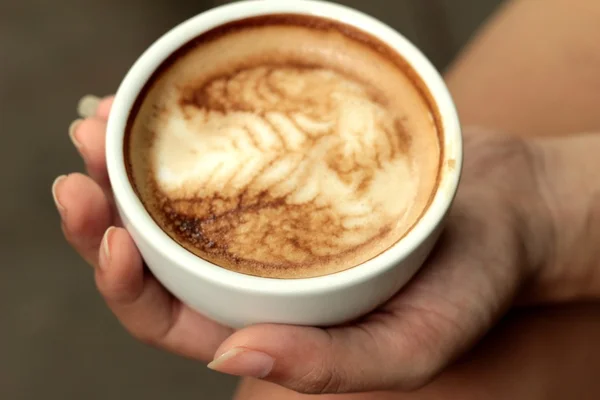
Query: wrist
pixel 501 171
pixel 567 227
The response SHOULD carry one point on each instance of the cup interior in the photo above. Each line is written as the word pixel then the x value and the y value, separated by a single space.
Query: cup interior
pixel 436 92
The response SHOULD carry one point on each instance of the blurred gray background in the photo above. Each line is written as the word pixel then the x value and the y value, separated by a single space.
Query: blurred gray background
pixel 57 339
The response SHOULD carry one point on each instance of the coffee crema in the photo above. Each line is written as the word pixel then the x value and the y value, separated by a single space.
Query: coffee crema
pixel 284 146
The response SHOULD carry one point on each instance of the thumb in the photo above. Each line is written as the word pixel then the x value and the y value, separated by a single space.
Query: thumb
pixel 467 284
pixel 316 361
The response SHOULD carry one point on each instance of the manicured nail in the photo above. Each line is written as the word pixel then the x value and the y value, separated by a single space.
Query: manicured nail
pixel 72 131
pixel 105 248
pixel 240 361
pixel 88 105
pixel 57 181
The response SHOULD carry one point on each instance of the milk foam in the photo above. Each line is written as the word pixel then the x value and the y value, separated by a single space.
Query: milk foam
pixel 281 161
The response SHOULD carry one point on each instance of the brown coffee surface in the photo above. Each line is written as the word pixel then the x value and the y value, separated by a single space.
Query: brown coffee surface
pixel 284 147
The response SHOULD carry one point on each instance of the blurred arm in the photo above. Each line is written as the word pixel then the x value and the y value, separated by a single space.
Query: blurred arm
pixel 534 69
pixel 569 182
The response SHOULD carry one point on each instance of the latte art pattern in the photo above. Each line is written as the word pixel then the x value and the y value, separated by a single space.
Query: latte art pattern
pixel 284 161
pixel 281 165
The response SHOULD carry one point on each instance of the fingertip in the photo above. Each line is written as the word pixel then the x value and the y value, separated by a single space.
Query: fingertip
pixel 244 362
pixel 87 106
pixel 56 185
pixel 286 352
pixel 73 133
pixel 120 248
pixel 85 213
pixel 104 107
pixel 120 278
pixel 88 137
pixel 84 203
pixel 105 248
pixel 88 133
pixel 144 307
pixel 312 360
pixel 278 340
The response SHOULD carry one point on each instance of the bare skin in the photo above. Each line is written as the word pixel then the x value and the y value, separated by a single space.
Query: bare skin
pixel 532 70
pixel 413 344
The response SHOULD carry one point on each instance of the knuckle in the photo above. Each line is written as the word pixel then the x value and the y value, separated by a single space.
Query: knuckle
pixel 322 380
pixel 141 331
pixel 147 330
pixel 118 293
pixel 414 360
pixel 144 336
pixel 123 305
pixel 420 370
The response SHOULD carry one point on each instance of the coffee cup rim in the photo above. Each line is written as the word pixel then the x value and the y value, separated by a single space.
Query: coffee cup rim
pixel 152 58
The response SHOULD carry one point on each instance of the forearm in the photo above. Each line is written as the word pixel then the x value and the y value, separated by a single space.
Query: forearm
pixel 569 182
pixel 534 69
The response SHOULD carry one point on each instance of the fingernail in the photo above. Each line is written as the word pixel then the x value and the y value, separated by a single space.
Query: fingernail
pixel 57 181
pixel 240 361
pixel 72 131
pixel 88 105
pixel 105 248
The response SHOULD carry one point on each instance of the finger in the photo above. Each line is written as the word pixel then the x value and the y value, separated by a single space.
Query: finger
pixel 144 306
pixel 88 136
pixel 87 106
pixel 94 106
pixel 405 345
pixel 317 361
pixel 85 213
pixel 104 107
pixel 253 389
pixel 307 360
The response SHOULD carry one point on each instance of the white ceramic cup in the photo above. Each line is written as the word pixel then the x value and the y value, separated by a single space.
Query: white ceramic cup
pixel 236 299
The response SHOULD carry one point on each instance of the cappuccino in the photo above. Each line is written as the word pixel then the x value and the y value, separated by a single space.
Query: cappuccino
pixel 284 146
